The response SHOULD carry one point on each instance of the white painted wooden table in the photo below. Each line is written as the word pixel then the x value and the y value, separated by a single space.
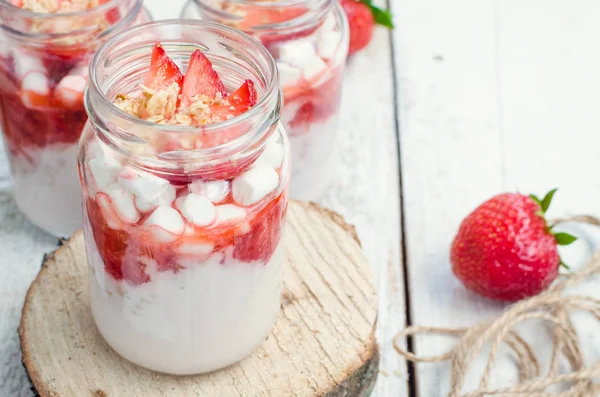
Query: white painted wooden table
pixel 465 99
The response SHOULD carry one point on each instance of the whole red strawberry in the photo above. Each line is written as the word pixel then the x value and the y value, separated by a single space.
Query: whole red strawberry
pixel 504 249
pixel 362 15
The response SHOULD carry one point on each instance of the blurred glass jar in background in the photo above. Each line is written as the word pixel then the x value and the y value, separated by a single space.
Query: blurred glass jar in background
pixel 45 50
pixel 309 41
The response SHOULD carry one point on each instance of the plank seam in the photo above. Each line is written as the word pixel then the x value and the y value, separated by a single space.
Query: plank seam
pixel 412 381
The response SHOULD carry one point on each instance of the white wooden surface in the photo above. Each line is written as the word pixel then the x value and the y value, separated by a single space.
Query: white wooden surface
pixel 495 95
pixel 492 95
pixel 367 194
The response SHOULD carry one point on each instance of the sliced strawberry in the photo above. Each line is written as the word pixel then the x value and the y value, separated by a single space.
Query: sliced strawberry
pixel 258 16
pixel 320 103
pixel 305 115
pixel 239 102
pixel 163 71
pixel 265 233
pixel 201 79
pixel 111 244
pixel 113 15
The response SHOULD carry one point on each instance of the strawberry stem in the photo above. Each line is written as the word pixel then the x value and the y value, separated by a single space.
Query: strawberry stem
pixel 380 16
pixel 564 238
pixel 563 264
pixel 547 200
pixel 560 237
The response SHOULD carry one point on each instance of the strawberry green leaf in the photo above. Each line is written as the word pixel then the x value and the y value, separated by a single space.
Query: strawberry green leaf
pixel 382 17
pixel 563 264
pixel 536 199
pixel 547 200
pixel 564 238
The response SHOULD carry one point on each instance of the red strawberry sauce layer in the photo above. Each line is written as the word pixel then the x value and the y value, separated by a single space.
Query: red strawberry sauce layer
pixel 318 103
pixel 121 250
pixel 27 128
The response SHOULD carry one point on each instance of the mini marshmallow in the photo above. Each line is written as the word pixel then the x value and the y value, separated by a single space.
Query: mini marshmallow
pixel 166 218
pixel 25 64
pixel 69 90
pixel 296 52
pixel 313 68
pixel 254 184
pixel 122 203
pixel 300 53
pixel 215 191
pixel 288 75
pixel 36 82
pixel 165 198
pixel 272 155
pixel 112 220
pixel 229 214
pixel 104 171
pixel 144 185
pixel 35 89
pixel 197 209
pixel 328 43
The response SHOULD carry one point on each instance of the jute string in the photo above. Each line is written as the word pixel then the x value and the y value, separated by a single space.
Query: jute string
pixel 553 308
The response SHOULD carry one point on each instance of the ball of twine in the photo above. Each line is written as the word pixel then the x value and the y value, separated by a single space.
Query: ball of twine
pixel 553 308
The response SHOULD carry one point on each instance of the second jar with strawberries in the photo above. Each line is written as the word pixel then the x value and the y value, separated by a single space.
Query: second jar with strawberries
pixel 45 50
pixel 309 41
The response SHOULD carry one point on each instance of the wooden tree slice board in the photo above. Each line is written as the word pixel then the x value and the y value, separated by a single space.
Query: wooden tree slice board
pixel 323 343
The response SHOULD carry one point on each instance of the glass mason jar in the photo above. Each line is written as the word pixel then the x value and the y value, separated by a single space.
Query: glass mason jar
pixel 43 72
pixel 309 41
pixel 169 291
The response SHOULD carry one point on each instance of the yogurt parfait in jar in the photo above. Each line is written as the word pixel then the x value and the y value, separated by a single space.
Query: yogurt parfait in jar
pixel 184 167
pixel 309 41
pixel 45 50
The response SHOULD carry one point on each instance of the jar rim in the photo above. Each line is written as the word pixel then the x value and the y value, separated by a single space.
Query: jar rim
pixel 6 6
pixel 271 81
pixel 317 9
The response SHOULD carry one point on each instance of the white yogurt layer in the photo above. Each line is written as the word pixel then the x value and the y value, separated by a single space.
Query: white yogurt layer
pixel 48 191
pixel 208 316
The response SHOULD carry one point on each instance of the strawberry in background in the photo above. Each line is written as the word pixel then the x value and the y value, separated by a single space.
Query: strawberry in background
pixel 362 17
pixel 505 250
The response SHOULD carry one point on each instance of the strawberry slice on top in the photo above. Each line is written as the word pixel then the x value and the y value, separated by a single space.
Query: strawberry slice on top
pixel 163 71
pixel 201 79
pixel 237 103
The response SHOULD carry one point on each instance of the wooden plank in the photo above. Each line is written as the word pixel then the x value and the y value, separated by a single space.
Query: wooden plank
pixel 323 342
pixel 21 249
pixel 367 194
pixel 450 141
pixel 495 96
